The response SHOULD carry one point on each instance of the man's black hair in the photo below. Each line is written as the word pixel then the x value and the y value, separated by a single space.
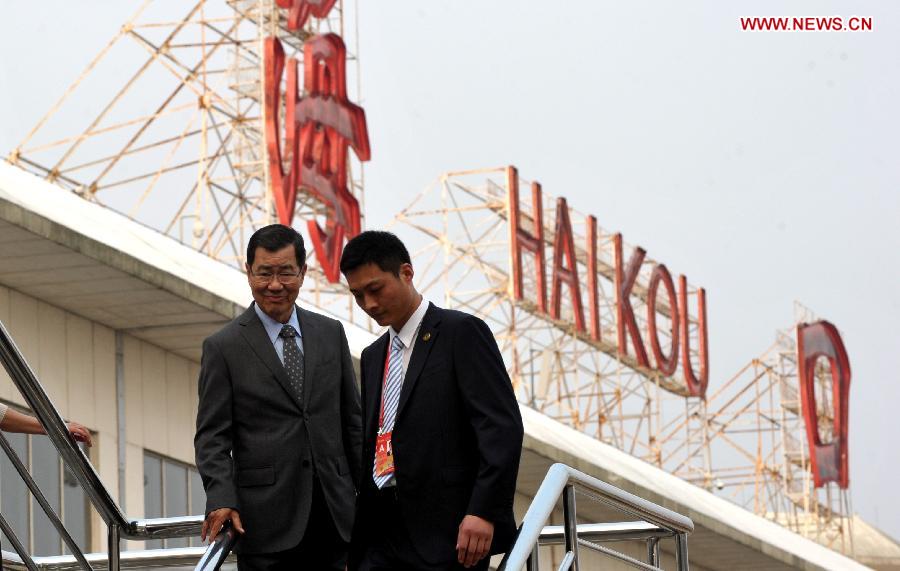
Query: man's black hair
pixel 375 247
pixel 273 238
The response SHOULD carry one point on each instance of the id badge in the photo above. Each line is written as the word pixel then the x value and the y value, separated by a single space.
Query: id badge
pixel 384 455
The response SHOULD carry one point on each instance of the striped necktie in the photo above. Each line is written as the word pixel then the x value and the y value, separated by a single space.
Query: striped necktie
pixel 391 397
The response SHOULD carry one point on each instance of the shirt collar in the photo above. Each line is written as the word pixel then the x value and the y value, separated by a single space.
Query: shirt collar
pixel 273 328
pixel 408 331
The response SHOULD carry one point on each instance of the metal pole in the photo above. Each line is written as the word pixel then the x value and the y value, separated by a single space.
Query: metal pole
pixel 653 551
pixel 534 560
pixel 571 525
pixel 681 552
pixel 17 545
pixel 113 548
pixel 41 499
pixel 42 407
pixel 121 439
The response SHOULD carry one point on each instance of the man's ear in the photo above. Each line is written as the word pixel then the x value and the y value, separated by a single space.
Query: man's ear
pixel 406 272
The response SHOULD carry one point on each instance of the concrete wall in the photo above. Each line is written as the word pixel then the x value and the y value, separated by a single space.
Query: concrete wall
pixel 75 360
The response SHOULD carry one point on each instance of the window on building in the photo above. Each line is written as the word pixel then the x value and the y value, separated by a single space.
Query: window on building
pixel 59 486
pixel 171 489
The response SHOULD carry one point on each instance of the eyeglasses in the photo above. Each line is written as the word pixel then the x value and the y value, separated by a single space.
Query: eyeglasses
pixel 284 278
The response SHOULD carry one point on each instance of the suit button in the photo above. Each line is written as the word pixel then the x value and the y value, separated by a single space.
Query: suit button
pixel 306 463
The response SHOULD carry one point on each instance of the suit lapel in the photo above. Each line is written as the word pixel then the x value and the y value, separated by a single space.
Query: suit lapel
pixel 422 345
pixel 256 337
pixel 311 351
pixel 373 381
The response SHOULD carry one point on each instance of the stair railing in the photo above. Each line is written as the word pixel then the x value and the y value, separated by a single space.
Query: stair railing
pixel 118 526
pixel 654 523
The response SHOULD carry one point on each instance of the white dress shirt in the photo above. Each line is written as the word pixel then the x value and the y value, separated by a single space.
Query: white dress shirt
pixel 273 328
pixel 409 332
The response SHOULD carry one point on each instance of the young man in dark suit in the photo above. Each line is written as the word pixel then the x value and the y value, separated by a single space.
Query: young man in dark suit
pixel 278 440
pixel 442 432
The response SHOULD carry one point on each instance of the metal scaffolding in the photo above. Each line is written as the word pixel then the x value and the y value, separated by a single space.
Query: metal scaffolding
pixel 179 144
pixel 758 452
pixel 745 441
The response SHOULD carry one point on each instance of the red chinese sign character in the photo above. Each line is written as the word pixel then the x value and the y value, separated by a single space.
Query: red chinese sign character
pixel 301 10
pixel 284 184
pixel 829 461
pixel 319 129
pixel 329 124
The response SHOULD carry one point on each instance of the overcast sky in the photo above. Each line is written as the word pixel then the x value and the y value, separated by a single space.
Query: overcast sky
pixel 761 165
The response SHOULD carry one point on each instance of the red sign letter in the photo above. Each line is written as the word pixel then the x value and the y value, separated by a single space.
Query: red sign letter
pixel 829 461
pixel 301 10
pixel 284 185
pixel 329 123
pixel 696 387
pixel 625 278
pixel 665 365
pixel 519 239
pixel 564 245
pixel 593 304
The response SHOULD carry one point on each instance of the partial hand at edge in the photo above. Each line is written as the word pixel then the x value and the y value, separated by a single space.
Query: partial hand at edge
pixel 212 525
pixel 474 540
pixel 80 433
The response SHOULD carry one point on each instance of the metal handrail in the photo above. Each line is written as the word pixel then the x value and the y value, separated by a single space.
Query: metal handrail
pixel 119 527
pixel 619 531
pixel 42 501
pixel 656 522
pixel 171 557
pixel 208 558
pixel 219 549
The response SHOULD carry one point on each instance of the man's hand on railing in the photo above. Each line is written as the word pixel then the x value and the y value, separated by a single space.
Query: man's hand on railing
pixel 474 540
pixel 15 421
pixel 80 433
pixel 214 520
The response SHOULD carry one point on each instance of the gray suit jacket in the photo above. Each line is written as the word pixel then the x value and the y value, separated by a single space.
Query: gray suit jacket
pixel 257 449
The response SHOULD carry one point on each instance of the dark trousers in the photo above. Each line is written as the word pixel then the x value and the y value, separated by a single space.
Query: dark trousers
pixel 389 547
pixel 320 548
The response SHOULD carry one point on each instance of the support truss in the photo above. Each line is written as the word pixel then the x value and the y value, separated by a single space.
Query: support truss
pixel 179 145
pixel 746 441
pixel 462 258
pixel 755 433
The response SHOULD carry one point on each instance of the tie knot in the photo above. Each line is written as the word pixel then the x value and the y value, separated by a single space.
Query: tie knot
pixel 288 331
pixel 397 343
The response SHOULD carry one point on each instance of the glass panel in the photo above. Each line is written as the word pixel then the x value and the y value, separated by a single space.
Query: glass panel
pixel 14 493
pixel 198 500
pixel 153 506
pixel 176 490
pixel 45 471
pixel 76 510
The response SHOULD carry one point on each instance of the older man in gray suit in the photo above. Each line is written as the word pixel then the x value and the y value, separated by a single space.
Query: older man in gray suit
pixel 278 440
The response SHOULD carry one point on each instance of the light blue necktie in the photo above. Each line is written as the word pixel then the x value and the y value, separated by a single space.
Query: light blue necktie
pixel 391 398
